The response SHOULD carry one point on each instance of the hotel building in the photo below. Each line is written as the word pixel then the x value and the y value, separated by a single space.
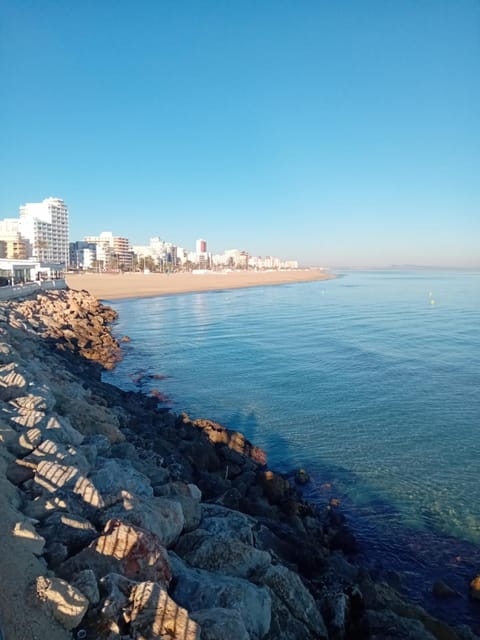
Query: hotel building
pixel 45 226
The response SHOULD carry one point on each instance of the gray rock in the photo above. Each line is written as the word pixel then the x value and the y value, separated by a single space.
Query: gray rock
pixel 158 475
pixel 57 479
pixel 112 476
pixel 67 604
pixel 32 540
pixel 18 472
pixel 336 607
pixel 154 614
pixel 101 442
pixel 285 626
pixel 123 549
pixel 13 381
pixel 218 624
pixel 224 554
pixel 86 582
pixel 188 496
pixel 71 530
pixel 52 451
pixel 39 398
pixel 386 625
pixel 161 516
pixel 55 553
pixel 115 592
pixel 196 589
pixel 224 522
pixel 293 594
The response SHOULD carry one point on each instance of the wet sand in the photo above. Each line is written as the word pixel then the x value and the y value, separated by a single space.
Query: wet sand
pixel 107 286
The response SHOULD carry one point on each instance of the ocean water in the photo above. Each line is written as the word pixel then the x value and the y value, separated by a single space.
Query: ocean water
pixel 370 381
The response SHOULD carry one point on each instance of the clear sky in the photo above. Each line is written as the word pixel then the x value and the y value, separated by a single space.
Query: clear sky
pixel 335 132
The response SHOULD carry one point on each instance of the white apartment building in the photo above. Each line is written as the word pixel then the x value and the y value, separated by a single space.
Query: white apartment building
pixel 112 251
pixel 45 226
pixel 104 247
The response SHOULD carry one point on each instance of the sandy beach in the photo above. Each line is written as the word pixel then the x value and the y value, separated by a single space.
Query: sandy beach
pixel 107 286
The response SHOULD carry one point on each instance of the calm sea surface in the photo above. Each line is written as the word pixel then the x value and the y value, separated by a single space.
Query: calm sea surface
pixel 370 381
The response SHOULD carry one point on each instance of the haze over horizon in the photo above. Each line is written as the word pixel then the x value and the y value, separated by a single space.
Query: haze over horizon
pixel 332 133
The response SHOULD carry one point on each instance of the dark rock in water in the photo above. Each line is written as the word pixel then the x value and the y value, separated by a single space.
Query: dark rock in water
pixel 301 476
pixel 275 487
pixel 344 540
pixel 442 590
pixel 399 628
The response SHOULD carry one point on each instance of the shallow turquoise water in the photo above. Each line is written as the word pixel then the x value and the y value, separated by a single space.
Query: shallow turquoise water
pixel 370 381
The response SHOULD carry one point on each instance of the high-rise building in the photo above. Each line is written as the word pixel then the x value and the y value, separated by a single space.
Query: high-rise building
pixel 45 226
pixel 201 246
pixel 113 252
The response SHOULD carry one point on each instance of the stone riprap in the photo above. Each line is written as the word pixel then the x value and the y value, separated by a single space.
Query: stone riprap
pixel 154 525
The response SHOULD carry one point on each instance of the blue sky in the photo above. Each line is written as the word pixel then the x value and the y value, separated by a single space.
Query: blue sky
pixel 338 133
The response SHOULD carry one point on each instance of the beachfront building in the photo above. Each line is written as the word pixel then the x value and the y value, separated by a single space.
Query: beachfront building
pixel 14 247
pixel 44 225
pixel 112 252
pixel 164 253
pixel 82 255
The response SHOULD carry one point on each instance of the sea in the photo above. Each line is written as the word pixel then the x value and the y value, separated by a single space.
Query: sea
pixel 369 381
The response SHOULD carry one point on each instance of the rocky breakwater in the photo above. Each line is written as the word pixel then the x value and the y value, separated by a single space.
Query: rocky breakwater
pixel 123 520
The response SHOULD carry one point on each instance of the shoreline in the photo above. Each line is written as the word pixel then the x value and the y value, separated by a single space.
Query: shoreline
pixel 118 286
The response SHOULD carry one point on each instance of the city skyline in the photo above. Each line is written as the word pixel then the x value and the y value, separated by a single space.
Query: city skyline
pixel 332 134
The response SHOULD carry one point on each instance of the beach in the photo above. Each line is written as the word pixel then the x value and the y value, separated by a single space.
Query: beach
pixel 115 286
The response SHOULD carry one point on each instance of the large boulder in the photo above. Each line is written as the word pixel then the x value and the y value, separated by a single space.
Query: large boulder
pixel 188 496
pixel 38 398
pixel 124 549
pixel 399 628
pixel 112 476
pixel 220 521
pixel 160 516
pixel 90 418
pixel 13 381
pixel 73 531
pixel 223 554
pixel 153 614
pixel 51 425
pixel 52 451
pixel 64 602
pixel 293 606
pixel 197 589
pixel 55 478
pixel 218 624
